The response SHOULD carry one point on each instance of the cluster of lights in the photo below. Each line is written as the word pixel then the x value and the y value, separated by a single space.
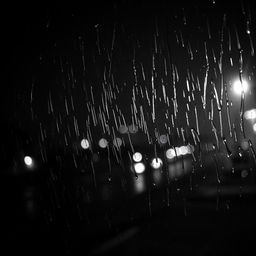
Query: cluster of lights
pixel 179 151
pixel 137 157
pixel 138 166
pixel 171 153
pixel 123 129
pixel 103 143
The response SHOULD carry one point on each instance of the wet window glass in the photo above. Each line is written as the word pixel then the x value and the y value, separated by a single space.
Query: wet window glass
pixel 130 127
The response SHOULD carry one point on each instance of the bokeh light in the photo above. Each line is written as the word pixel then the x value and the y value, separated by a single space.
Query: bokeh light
pixel 163 139
pixel 156 163
pixel 103 143
pixel 123 129
pixel 28 161
pixel 137 157
pixel 170 153
pixel 139 168
pixel 117 142
pixel 85 144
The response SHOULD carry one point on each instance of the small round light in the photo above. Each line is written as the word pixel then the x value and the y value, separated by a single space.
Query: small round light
pixel 123 129
pixel 239 87
pixel 133 128
pixel 163 139
pixel 156 163
pixel 139 168
pixel 103 143
pixel 137 157
pixel 117 142
pixel 170 153
pixel 28 161
pixel 85 144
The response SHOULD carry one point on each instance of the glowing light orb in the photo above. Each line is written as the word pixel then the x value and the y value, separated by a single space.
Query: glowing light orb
pixel 117 142
pixel 139 168
pixel 250 114
pixel 156 163
pixel 123 129
pixel 137 157
pixel 28 161
pixel 170 153
pixel 85 144
pixel 103 143
pixel 239 87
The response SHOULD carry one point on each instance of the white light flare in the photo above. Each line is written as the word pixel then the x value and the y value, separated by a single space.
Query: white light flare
pixel 133 128
pixel 179 151
pixel 28 161
pixel 239 87
pixel 137 157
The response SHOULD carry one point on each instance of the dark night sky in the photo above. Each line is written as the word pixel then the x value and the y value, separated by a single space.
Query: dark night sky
pixel 39 36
